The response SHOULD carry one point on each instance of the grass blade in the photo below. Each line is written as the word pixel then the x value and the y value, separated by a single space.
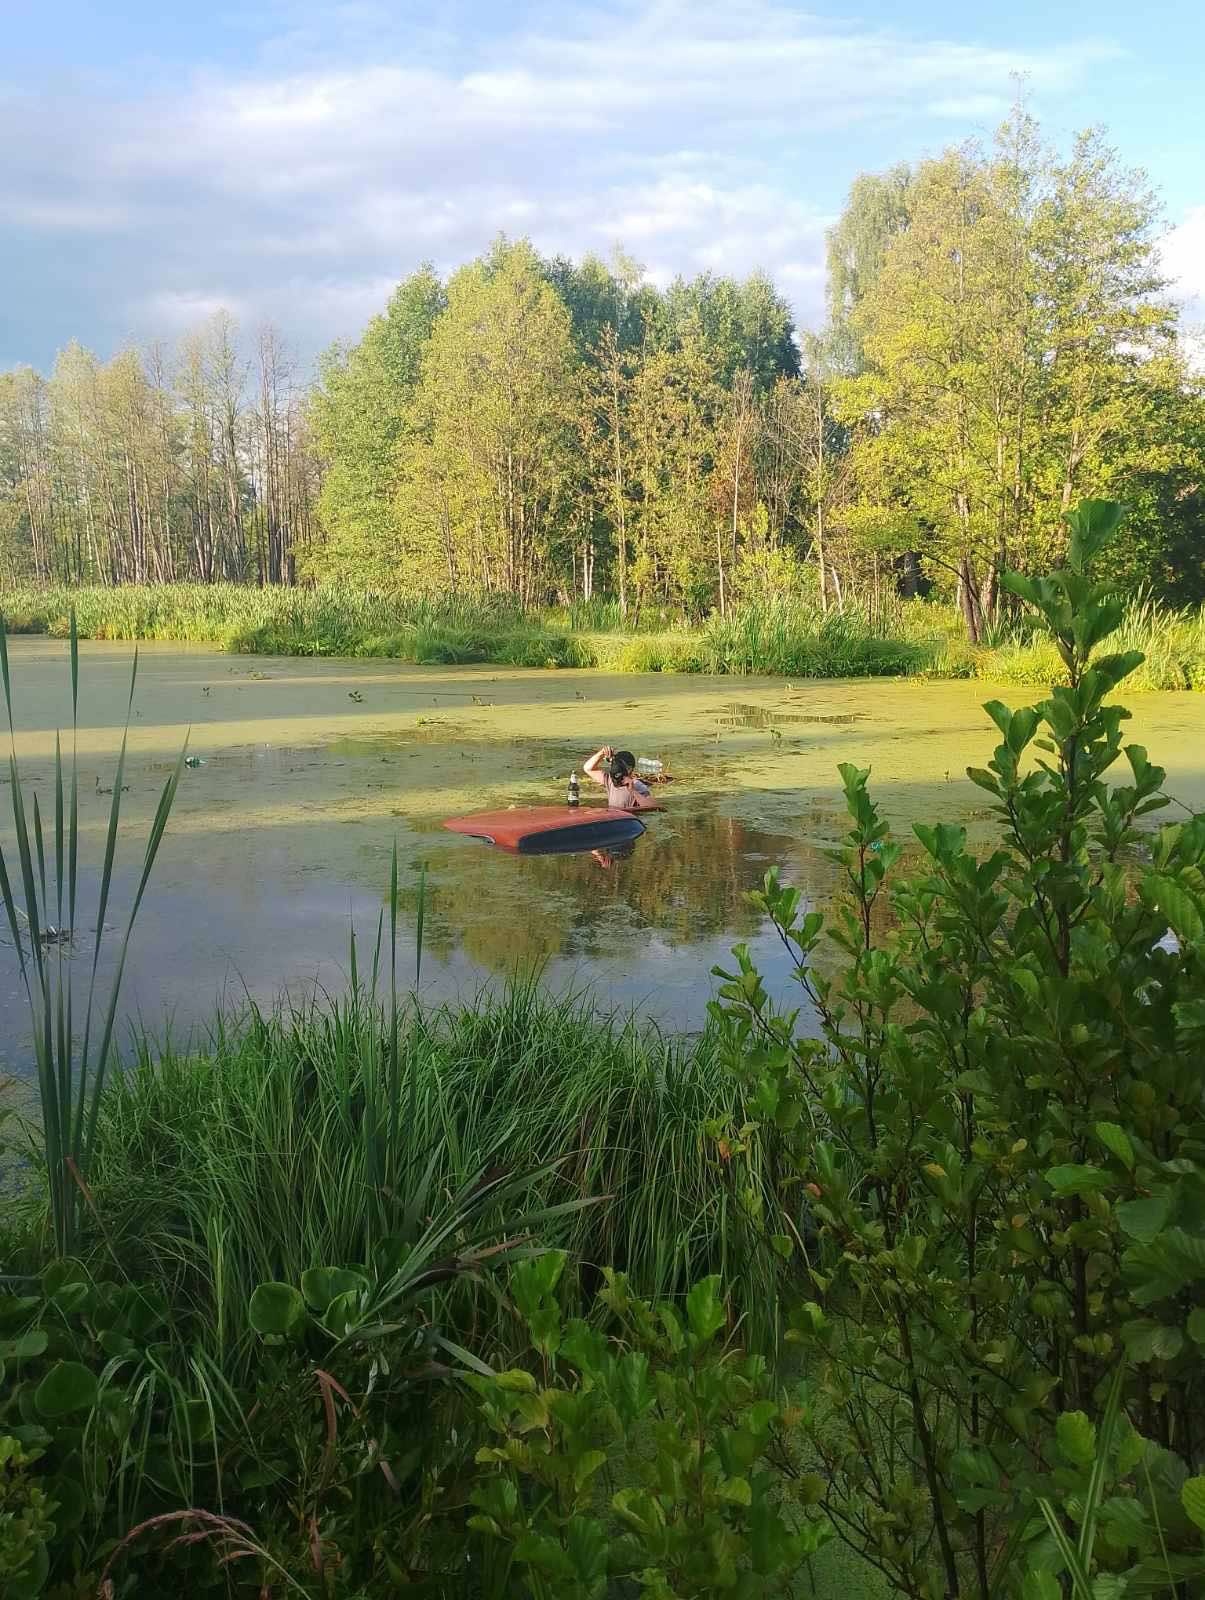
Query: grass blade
pixel 158 828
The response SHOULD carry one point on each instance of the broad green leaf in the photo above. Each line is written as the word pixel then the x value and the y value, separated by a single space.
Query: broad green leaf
pixel 25 1347
pixel 587 1544
pixel 536 1278
pixel 705 1310
pixel 1024 588
pixel 1000 714
pixel 1076 1438
pixel 1075 1179
pixel 1147 1340
pixel 515 1378
pixel 1174 903
pixel 68 1270
pixel 321 1285
pixel 1196 1325
pixel 1108 1586
pixel 1192 1498
pixel 541 1551
pixel 1143 1219
pixel 1021 729
pixel 1190 1015
pixel 1093 524
pixel 737 1490
pixel 276 1308
pixel 67 1387
pixel 1116 1140
pixel 1126 1521
pixel 70 1502
pixel 531 1411
pixel 585 1347
pixel 588 1465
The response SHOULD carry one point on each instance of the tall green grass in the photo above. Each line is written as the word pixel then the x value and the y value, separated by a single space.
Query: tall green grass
pixel 253 1159
pixel 790 637
pixel 72 1042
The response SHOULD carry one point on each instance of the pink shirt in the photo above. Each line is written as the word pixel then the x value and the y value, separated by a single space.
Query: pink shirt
pixel 621 797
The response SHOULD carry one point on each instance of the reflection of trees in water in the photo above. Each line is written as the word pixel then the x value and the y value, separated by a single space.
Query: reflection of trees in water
pixel 687 880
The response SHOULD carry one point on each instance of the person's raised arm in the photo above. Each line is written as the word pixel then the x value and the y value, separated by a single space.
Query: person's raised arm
pixel 590 768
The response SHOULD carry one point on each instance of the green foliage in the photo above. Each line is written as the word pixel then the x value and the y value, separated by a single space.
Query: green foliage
pixel 654 1456
pixel 776 633
pixel 26 1525
pixel 121 1426
pixel 999 344
pixel 277 1150
pixel 973 1191
pixel 359 411
pixel 997 1137
pixel 41 913
pixel 1016 353
pixel 1119 1498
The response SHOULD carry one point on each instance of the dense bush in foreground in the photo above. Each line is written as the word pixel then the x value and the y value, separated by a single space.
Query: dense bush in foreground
pixel 1001 1137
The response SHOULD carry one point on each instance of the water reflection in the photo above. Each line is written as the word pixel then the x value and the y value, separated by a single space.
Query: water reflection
pixel 740 715
pixel 281 841
pixel 686 880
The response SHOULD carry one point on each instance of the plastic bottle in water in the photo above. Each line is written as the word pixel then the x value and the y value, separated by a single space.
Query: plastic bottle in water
pixel 194 761
pixel 575 792
pixel 648 768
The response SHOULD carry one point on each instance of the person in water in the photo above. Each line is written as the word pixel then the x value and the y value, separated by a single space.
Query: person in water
pixel 625 791
pixel 617 852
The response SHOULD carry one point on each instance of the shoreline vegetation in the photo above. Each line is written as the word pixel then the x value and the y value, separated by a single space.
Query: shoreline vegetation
pixel 787 637
pixel 349 1301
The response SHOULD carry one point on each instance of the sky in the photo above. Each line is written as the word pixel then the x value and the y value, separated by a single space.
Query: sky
pixel 290 160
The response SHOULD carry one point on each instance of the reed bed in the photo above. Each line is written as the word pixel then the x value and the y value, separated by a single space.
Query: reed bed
pixel 252 1158
pixel 787 637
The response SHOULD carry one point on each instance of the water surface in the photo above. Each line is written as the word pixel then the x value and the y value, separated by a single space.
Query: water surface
pixel 281 841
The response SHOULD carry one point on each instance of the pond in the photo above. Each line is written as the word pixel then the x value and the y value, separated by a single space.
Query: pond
pixel 280 842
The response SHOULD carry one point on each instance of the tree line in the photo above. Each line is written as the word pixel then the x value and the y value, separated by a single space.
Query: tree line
pixel 999 345
pixel 158 465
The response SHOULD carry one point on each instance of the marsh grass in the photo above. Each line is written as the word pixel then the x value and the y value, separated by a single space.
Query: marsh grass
pixel 73 1034
pixel 254 1158
pixel 789 637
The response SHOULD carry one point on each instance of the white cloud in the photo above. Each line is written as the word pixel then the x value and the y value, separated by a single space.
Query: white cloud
pixel 690 130
pixel 1184 258
pixel 66 214
pixel 173 310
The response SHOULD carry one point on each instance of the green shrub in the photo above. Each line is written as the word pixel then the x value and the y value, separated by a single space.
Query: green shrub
pixel 999 1137
pixel 648 1457
pixel 26 1525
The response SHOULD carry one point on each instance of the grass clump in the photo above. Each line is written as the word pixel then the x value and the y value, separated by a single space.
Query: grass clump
pixel 250 1159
